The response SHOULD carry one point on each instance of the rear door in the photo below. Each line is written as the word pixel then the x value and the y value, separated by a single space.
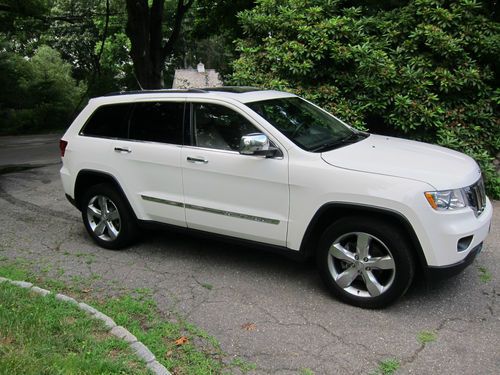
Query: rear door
pixel 150 160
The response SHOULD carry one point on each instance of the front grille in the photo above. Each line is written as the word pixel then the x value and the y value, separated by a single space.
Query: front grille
pixel 476 196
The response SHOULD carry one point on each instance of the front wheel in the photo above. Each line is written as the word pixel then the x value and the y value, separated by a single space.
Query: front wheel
pixel 365 262
pixel 107 217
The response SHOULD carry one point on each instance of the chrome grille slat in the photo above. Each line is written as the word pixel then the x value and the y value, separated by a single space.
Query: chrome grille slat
pixel 476 195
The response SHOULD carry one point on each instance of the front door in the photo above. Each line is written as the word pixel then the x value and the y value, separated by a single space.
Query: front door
pixel 229 193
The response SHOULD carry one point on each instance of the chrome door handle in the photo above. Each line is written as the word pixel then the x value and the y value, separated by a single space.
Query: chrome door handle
pixel 197 160
pixel 123 149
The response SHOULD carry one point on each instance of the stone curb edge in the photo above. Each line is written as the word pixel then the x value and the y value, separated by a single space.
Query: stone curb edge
pixel 137 347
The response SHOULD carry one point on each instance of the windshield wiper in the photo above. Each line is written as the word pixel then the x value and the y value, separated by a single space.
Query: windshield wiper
pixel 352 138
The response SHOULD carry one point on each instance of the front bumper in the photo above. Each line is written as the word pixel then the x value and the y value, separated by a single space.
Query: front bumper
pixel 442 235
pixel 435 273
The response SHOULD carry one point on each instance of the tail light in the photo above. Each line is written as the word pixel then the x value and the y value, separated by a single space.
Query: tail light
pixel 62 147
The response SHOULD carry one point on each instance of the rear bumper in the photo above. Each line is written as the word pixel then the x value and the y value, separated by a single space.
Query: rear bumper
pixel 443 272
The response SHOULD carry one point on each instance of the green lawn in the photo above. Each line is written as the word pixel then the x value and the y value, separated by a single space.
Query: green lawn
pixel 135 310
pixel 41 335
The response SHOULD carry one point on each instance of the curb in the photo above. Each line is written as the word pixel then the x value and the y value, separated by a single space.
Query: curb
pixel 120 332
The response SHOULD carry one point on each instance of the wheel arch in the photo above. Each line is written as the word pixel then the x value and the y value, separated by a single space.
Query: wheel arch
pixel 330 212
pixel 88 177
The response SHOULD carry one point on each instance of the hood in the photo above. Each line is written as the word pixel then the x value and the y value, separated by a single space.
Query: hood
pixel 438 166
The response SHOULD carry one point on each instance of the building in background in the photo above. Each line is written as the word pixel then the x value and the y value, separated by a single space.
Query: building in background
pixel 199 77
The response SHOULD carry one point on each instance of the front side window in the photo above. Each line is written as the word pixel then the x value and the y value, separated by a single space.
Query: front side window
pixel 219 127
pixel 306 125
pixel 157 122
pixel 109 121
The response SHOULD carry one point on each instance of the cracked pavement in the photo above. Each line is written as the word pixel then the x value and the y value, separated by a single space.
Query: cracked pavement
pixel 225 289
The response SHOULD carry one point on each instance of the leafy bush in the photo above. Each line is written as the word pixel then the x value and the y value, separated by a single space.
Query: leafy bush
pixel 425 69
pixel 38 93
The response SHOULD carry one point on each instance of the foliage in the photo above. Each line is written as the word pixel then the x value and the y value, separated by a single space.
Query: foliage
pixel 41 335
pixel 484 274
pixel 93 41
pixel 388 367
pixel 425 337
pixel 208 34
pixel 425 69
pixel 89 36
pixel 38 93
pixel 179 345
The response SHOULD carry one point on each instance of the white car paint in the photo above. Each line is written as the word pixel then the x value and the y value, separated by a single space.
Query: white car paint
pixel 381 172
pixel 441 167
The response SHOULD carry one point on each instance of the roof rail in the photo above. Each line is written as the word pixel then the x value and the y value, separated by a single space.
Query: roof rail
pixel 231 89
pixel 234 89
pixel 133 92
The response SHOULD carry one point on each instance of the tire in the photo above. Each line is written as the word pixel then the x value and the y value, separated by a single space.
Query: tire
pixel 365 262
pixel 117 228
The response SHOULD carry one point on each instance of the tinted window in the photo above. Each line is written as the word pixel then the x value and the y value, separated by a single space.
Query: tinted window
pixel 157 122
pixel 307 126
pixel 219 127
pixel 109 121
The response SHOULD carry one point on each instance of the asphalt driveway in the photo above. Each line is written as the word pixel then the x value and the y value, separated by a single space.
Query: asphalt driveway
pixel 262 307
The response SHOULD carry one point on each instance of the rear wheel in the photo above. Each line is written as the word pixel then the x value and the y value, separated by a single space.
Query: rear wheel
pixel 364 262
pixel 107 217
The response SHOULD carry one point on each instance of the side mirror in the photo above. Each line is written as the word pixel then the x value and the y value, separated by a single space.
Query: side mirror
pixel 257 144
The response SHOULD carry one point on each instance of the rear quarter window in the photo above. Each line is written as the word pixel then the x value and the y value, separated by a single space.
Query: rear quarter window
pixel 110 121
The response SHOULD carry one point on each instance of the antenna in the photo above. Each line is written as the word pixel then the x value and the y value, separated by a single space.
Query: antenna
pixel 138 83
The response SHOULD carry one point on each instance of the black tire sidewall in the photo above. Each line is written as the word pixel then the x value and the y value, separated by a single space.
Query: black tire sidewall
pixel 395 241
pixel 127 231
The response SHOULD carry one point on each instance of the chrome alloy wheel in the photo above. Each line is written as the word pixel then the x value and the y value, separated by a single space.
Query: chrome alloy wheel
pixel 361 264
pixel 103 218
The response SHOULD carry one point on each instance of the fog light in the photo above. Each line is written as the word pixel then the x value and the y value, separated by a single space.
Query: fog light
pixel 464 243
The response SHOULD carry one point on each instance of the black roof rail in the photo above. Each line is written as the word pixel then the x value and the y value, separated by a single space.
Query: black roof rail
pixel 231 89
pixel 133 92
pixel 234 89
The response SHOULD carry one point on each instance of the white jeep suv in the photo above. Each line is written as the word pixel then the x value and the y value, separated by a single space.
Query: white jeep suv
pixel 270 168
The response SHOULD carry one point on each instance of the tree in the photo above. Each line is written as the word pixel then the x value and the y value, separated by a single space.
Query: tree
pixel 148 50
pixel 91 36
pixel 425 69
pixel 39 93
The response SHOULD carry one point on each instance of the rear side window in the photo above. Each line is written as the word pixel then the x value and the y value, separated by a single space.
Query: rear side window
pixel 157 122
pixel 108 121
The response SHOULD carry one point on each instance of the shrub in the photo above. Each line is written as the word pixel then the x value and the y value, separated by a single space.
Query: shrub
pixel 425 69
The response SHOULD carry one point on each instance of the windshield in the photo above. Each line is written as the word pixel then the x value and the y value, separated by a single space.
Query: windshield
pixel 306 125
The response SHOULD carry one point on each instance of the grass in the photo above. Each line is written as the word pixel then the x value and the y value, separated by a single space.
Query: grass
pixel 425 337
pixel 137 311
pixel 388 366
pixel 41 335
pixel 484 274
pixel 306 371
pixel 207 286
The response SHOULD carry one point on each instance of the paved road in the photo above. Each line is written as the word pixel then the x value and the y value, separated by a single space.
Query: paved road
pixel 29 149
pixel 222 287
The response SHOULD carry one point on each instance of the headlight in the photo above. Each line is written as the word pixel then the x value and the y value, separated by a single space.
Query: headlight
pixel 446 199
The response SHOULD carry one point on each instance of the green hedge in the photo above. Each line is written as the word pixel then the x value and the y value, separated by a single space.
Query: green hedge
pixel 425 69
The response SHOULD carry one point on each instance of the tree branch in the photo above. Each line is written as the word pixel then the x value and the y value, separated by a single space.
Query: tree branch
pixel 174 35
pixel 104 36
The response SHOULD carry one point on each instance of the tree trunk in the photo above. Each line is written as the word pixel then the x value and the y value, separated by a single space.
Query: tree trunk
pixel 144 29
